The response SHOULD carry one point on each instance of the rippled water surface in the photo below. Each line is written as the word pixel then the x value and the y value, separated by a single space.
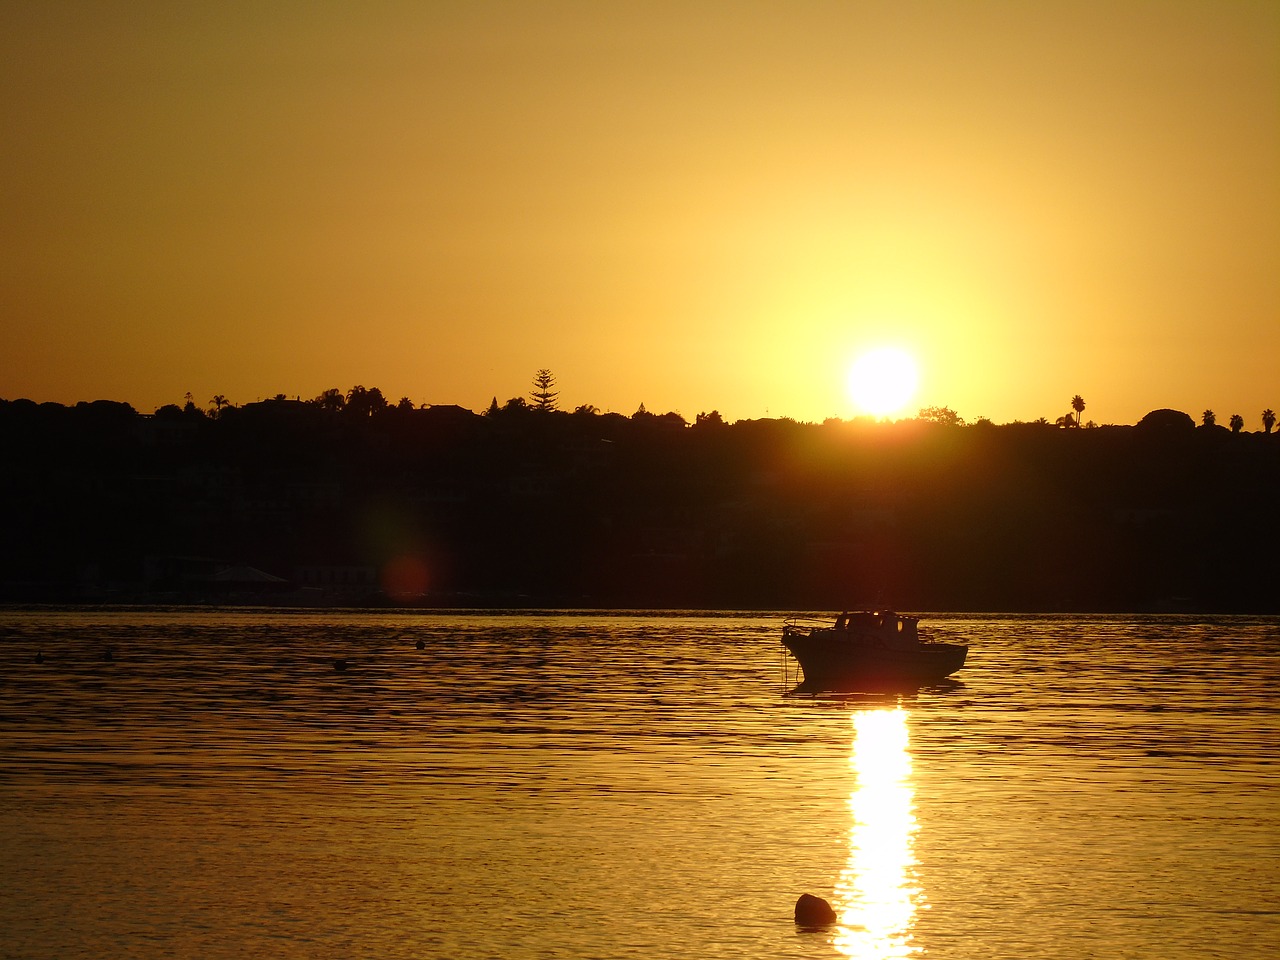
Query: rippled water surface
pixel 209 784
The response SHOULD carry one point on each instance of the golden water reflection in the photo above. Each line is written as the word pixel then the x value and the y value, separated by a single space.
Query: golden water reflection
pixel 876 895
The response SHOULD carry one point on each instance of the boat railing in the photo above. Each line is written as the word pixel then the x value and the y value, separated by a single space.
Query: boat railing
pixel 807 624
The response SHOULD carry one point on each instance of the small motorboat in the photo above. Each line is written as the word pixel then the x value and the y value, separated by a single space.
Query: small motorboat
pixel 869 651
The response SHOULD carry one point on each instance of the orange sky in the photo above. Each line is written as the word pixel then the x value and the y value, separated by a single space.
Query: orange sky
pixel 687 205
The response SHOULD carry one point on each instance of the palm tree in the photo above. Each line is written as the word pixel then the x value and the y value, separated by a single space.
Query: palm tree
pixel 1209 418
pixel 219 401
pixel 1077 404
pixel 1268 419
pixel 1237 423
pixel 363 402
pixel 332 400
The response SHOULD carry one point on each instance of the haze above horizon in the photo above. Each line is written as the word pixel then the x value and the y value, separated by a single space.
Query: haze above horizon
pixel 691 207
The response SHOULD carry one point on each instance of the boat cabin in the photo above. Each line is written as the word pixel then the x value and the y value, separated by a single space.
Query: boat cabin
pixel 883 626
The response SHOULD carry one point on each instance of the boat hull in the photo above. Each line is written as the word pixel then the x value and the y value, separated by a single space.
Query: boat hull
pixel 831 662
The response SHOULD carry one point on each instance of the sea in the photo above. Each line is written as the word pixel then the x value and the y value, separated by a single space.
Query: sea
pixel 218 783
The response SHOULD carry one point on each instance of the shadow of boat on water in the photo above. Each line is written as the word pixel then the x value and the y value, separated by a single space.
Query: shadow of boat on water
pixel 877 694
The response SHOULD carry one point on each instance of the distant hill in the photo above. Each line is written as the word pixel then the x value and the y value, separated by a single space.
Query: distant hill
pixel 443 506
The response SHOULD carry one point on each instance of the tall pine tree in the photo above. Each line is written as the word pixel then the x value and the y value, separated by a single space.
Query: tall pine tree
pixel 544 398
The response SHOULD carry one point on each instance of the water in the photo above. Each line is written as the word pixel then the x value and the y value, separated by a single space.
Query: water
pixel 596 785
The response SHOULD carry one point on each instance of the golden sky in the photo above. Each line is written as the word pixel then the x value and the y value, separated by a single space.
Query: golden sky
pixel 688 205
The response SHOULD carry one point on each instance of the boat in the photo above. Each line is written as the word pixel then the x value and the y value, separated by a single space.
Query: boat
pixel 868 650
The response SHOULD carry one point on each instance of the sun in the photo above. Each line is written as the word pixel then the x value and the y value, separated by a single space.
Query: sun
pixel 883 381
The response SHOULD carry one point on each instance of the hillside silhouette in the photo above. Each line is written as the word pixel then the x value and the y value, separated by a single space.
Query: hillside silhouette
pixel 351 500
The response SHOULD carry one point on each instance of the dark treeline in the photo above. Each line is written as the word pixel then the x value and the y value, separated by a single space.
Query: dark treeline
pixel 338 501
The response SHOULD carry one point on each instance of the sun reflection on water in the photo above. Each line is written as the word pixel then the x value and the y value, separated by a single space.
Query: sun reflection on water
pixel 876 895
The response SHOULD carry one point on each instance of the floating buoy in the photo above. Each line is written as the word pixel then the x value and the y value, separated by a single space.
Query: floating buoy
pixel 339 665
pixel 813 911
pixel 39 657
pixel 420 645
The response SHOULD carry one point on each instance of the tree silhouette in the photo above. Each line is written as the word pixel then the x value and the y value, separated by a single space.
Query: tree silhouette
pixel 363 402
pixel 331 401
pixel 1077 404
pixel 219 401
pixel 1166 421
pixel 1208 418
pixel 544 398
pixel 1268 419
pixel 640 511
pixel 943 415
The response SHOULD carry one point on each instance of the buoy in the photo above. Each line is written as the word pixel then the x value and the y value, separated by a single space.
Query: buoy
pixel 339 665
pixel 813 911
pixel 39 657
pixel 420 645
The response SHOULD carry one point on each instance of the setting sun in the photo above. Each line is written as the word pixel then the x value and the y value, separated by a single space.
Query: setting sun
pixel 883 381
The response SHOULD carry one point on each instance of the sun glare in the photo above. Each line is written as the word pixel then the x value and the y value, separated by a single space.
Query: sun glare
pixel 878 894
pixel 883 381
